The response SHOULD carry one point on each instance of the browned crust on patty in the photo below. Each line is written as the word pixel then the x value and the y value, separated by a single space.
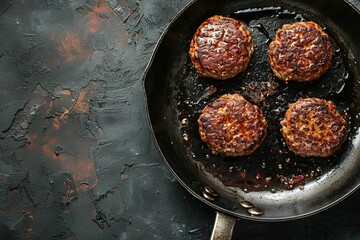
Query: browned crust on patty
pixel 312 127
pixel 232 126
pixel 221 48
pixel 300 52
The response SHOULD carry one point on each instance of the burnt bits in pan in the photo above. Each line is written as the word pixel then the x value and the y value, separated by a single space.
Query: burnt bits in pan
pixel 300 52
pixel 232 126
pixel 272 167
pixel 221 48
pixel 312 127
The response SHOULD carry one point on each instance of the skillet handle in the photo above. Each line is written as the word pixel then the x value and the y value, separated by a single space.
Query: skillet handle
pixel 223 227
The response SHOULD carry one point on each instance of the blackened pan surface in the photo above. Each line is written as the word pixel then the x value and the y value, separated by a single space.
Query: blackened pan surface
pixel 284 185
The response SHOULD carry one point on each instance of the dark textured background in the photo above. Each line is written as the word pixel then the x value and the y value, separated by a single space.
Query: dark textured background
pixel 76 156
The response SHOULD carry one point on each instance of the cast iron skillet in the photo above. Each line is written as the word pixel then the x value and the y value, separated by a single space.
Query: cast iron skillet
pixel 281 185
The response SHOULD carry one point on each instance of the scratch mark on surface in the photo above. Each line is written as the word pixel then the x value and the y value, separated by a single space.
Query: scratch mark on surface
pixel 126 166
pixel 7 7
pixel 146 220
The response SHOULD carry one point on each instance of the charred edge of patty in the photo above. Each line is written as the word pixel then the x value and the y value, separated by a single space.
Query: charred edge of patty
pixel 227 51
pixel 313 127
pixel 300 52
pixel 232 126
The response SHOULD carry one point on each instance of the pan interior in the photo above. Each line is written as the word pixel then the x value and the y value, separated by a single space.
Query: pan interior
pixel 274 179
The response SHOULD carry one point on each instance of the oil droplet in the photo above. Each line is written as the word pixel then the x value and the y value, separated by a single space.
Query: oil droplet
pixel 185 137
pixel 210 191
pixel 299 17
pixel 207 196
pixel 257 176
pixel 195 231
pixel 351 56
pixel 184 121
pixel 207 156
pixel 273 190
pixel 246 204
pixel 255 211
pixel 268 178
pixel 263 165
pixel 341 88
pixel 280 166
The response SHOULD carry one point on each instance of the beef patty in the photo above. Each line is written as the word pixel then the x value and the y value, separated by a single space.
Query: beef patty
pixel 221 48
pixel 312 127
pixel 232 126
pixel 300 52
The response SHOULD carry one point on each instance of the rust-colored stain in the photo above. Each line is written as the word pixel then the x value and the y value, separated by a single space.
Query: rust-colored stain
pixel 66 92
pixel 70 193
pixel 82 104
pixel 60 119
pixel 83 186
pixel 62 146
pixel 94 17
pixel 76 42
pixel 85 173
pixel 65 135
pixel 69 45
pixel 29 215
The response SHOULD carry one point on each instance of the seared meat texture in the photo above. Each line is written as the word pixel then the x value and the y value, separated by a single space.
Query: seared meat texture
pixel 300 52
pixel 221 48
pixel 232 126
pixel 313 127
